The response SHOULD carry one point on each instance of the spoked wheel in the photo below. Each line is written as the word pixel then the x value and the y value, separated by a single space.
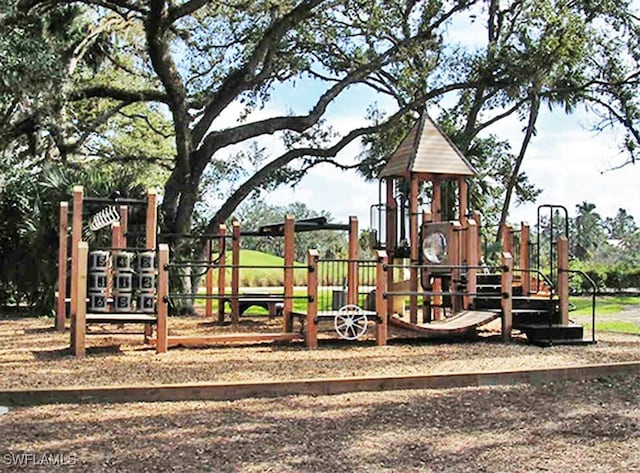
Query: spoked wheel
pixel 350 322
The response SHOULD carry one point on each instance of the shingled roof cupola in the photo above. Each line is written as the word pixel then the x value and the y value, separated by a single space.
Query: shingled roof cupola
pixel 427 150
pixel 425 155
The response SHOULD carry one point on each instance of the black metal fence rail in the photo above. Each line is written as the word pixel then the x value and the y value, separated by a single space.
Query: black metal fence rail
pixel 333 283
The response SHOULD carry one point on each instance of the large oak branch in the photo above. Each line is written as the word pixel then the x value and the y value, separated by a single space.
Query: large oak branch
pixel 241 79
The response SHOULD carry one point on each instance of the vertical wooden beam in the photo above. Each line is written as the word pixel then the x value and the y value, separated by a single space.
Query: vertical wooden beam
pixel 76 236
pixel 235 273
pixel 463 208
pixel 289 258
pixel 391 234
pixel 414 243
pixel 352 266
pixel 436 216
pixel 436 202
pixel 525 237
pixel 381 304
pixel 78 318
pixel 311 336
pixel 507 296
pixel 507 239
pixel 163 306
pixel 477 216
pixel 463 198
pixel 151 228
pixel 222 271
pixel 563 279
pixel 63 234
pixel 124 225
pixel 208 280
pixel 456 235
pixel 391 219
pixel 473 259
pixel 116 236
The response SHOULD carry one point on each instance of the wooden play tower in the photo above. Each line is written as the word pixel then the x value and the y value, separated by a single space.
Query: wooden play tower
pixel 426 159
pixel 434 251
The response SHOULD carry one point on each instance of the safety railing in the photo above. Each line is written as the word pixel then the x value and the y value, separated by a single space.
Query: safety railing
pixel 594 292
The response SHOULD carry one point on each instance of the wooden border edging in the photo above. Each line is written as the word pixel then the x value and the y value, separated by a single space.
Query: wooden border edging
pixel 315 387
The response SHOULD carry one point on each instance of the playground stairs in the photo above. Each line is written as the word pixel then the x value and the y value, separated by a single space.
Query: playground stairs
pixel 537 316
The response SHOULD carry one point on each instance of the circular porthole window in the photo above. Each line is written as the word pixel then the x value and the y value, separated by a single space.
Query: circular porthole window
pixel 434 248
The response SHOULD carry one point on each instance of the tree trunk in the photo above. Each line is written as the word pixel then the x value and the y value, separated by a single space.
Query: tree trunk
pixel 513 180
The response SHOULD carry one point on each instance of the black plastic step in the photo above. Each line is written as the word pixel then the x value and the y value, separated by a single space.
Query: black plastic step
pixel 524 317
pixel 488 289
pixel 493 301
pixel 489 279
pixel 554 333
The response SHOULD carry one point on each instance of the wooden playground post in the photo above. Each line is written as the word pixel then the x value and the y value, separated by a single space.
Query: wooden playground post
pixel 463 199
pixel 507 300
pixel 436 202
pixel 507 238
pixel 61 310
pixel 151 228
pixel 352 266
pixel 124 225
pixel 208 280
pixel 456 257
pixel 163 306
pixel 116 236
pixel 477 216
pixel 473 259
pixel 78 318
pixel 235 273
pixel 436 215
pixel 563 279
pixel 525 237
pixel 76 236
pixel 390 218
pixel 222 280
pixel 414 250
pixel 311 338
pixel 289 257
pixel 151 236
pixel 381 304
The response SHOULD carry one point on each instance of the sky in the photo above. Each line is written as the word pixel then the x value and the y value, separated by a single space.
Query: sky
pixel 565 159
pixel 568 161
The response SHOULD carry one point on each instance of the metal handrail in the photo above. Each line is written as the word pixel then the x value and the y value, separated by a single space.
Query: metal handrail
pixel 594 291
pixel 539 273
pixel 443 266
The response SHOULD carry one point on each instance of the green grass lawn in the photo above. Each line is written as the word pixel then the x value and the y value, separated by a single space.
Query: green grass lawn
pixel 329 273
pixel 607 307
pixel 615 326
pixel 604 304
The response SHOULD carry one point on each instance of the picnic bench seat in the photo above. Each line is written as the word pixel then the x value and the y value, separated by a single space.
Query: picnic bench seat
pixel 273 303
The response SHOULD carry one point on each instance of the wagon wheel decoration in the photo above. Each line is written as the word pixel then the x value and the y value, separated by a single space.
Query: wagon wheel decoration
pixel 350 322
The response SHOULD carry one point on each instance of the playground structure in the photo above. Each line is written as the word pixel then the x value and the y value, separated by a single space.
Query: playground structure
pixel 432 259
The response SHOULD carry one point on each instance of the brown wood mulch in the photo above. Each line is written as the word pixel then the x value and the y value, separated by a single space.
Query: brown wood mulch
pixel 568 427
pixel 556 427
pixel 33 355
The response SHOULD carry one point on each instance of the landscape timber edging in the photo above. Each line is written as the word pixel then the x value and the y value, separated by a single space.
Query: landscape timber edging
pixel 312 387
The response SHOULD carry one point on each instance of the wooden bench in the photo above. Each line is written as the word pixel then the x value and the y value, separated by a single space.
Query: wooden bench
pixel 274 304
pixel 120 318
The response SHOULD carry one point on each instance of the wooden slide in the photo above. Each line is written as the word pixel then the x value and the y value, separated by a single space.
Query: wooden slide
pixel 462 322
